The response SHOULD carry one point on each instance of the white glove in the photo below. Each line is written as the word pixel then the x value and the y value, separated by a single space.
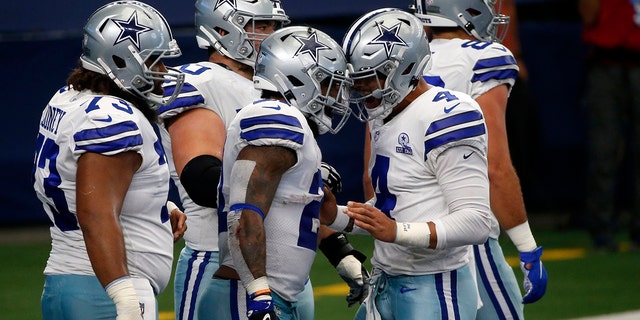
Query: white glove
pixel 124 296
pixel 353 272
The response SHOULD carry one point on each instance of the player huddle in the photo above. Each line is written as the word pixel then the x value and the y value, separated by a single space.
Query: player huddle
pixel 237 135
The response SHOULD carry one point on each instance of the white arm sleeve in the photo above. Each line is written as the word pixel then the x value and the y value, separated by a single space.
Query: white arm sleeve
pixel 462 174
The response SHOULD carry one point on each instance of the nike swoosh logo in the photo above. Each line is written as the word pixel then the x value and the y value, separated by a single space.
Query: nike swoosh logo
pixel 274 108
pixel 107 119
pixel 447 110
pixel 405 289
pixel 466 156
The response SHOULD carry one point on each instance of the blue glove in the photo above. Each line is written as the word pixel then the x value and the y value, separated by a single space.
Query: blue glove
pixel 535 275
pixel 261 308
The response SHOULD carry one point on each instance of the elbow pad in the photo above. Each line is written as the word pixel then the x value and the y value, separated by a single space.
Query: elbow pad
pixel 200 178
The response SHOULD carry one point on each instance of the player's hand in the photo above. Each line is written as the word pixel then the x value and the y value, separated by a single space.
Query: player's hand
pixel 374 221
pixel 353 272
pixel 331 178
pixel 178 221
pixel 261 308
pixel 535 275
pixel 349 263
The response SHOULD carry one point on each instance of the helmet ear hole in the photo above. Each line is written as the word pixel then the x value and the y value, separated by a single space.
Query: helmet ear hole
pixel 473 12
pixel 408 69
pixel 221 31
pixel 295 81
pixel 119 62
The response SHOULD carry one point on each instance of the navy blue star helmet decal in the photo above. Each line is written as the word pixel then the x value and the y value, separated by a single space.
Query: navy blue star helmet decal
pixel 130 30
pixel 388 37
pixel 310 45
pixel 232 3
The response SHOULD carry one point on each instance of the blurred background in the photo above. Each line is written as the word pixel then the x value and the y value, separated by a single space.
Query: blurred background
pixel 41 42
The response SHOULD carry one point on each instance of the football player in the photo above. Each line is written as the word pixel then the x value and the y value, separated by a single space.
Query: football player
pixel 102 175
pixel 272 185
pixel 194 132
pixel 194 128
pixel 466 55
pixel 429 172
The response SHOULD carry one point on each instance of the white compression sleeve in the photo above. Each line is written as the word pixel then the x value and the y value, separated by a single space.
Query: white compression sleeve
pixel 465 185
pixel 241 173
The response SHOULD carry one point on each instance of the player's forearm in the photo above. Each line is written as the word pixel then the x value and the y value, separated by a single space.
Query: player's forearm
pixel 252 241
pixel 106 250
pixel 507 203
pixel 463 227
pixel 102 183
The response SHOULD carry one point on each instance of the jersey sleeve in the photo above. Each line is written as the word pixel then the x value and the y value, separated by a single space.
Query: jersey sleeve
pixel 462 124
pixel 189 98
pixel 110 127
pixel 494 66
pixel 272 123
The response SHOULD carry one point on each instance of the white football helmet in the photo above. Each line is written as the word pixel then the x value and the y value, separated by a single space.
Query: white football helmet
pixel 477 17
pixel 390 45
pixel 120 37
pixel 308 68
pixel 232 16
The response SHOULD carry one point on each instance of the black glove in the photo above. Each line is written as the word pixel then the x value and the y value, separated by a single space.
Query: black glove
pixel 349 263
pixel 331 178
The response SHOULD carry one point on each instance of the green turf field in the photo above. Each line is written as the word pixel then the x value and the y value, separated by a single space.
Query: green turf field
pixel 581 283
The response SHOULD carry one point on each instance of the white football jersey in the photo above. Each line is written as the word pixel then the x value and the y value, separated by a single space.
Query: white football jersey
pixel 470 66
pixel 214 87
pixel 292 223
pixel 77 122
pixel 409 178
pixel 473 67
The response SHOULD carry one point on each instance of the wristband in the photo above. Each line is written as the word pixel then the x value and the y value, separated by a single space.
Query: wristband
pixel 412 234
pixel 241 206
pixel 123 294
pixel 258 287
pixel 171 206
pixel 342 221
pixel 522 237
